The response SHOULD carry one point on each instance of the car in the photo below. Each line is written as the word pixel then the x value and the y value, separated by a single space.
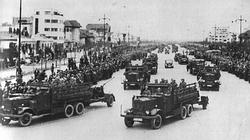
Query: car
pixel 169 63
pixel 182 59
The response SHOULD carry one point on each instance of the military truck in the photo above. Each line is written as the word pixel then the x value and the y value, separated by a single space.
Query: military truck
pixel 208 78
pixel 182 59
pixel 151 63
pixel 135 76
pixel 195 65
pixel 163 102
pixel 43 99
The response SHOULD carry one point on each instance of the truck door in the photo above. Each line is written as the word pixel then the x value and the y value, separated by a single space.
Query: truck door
pixel 44 101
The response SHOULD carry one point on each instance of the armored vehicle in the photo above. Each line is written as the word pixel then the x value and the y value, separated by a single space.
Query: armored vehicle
pixel 135 76
pixel 209 77
pixel 195 65
pixel 162 102
pixel 41 100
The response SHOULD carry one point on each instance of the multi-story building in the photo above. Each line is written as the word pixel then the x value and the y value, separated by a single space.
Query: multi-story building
pixel 71 33
pixel 98 30
pixel 220 34
pixel 49 23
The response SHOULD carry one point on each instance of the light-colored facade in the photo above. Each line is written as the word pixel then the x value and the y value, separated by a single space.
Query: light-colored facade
pixel 50 24
pixel 71 33
pixel 220 34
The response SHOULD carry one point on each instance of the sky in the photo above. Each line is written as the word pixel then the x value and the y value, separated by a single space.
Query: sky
pixel 169 20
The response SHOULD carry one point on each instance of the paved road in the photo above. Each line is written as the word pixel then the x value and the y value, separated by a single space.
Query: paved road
pixel 227 116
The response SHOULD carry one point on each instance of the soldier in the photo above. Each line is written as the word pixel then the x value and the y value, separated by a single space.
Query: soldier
pixel 182 84
pixel 146 91
pixel 173 84
pixel 162 81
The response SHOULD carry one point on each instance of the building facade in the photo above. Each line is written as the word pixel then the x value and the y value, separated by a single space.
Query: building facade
pixel 71 33
pixel 220 34
pixel 49 23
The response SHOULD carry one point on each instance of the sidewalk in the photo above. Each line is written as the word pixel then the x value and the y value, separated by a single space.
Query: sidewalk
pixel 10 74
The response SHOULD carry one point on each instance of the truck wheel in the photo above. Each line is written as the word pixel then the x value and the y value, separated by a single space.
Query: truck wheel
pixel 156 122
pixel 189 110
pixel 79 109
pixel 25 120
pixel 110 101
pixel 4 121
pixel 69 110
pixel 183 114
pixel 128 122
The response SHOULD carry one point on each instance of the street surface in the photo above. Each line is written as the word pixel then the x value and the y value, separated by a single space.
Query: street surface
pixel 226 118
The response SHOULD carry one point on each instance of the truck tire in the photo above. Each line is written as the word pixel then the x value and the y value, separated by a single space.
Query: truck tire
pixel 189 110
pixel 79 109
pixel 156 122
pixel 110 101
pixel 68 110
pixel 183 113
pixel 25 120
pixel 4 121
pixel 124 86
pixel 128 122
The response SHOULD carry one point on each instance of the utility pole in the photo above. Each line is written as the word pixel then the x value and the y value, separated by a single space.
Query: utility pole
pixel 104 22
pixel 19 70
pixel 128 34
pixel 215 32
pixel 240 20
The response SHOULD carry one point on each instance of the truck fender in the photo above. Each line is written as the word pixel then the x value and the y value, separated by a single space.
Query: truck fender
pixel 155 111
pixel 25 109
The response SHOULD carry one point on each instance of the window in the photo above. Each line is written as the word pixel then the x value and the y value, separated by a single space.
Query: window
pixel 47 21
pixel 54 29
pixel 54 21
pixel 46 29
pixel 37 13
pixel 47 12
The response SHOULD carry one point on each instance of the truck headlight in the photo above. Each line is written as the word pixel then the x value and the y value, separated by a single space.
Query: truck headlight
pixel 147 112
pixel 2 106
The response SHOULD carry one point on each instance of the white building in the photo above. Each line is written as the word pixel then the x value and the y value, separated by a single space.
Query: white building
pixel 220 34
pixel 50 24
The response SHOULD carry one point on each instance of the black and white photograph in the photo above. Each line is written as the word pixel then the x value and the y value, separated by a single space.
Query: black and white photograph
pixel 124 69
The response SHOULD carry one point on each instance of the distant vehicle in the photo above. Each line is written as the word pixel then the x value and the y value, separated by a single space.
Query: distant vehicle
pixel 176 57
pixel 41 100
pixel 195 65
pixel 169 63
pixel 183 59
pixel 174 48
pixel 135 76
pixel 152 63
pixel 163 102
pixel 208 78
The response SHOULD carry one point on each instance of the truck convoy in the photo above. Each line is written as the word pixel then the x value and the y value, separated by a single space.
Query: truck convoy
pixel 43 99
pixel 163 101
